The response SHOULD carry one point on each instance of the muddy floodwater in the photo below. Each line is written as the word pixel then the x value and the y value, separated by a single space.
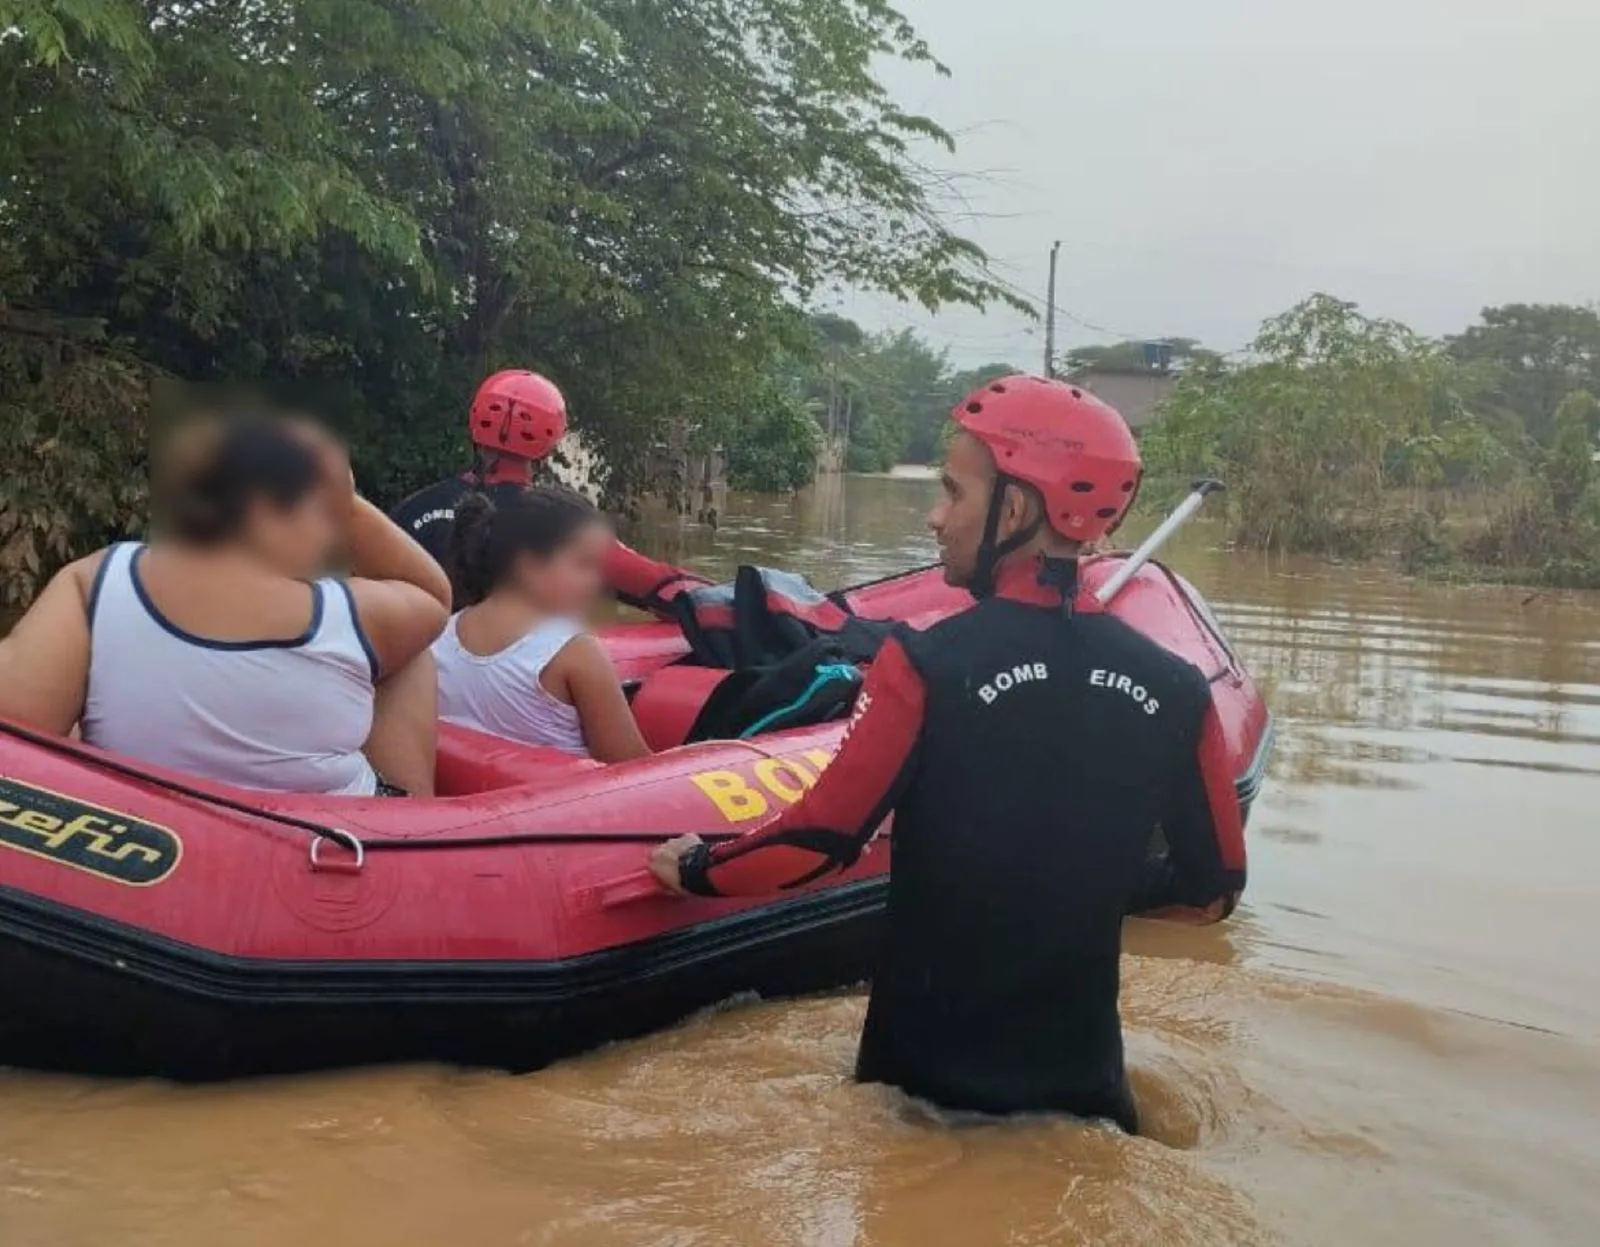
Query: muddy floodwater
pixel 1396 1040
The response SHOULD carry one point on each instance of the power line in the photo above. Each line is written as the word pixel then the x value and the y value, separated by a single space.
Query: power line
pixel 1045 309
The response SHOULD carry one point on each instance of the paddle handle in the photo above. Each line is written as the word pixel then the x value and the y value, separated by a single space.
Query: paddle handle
pixel 1147 548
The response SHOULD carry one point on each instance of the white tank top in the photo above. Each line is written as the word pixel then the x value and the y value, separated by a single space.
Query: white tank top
pixel 284 716
pixel 501 693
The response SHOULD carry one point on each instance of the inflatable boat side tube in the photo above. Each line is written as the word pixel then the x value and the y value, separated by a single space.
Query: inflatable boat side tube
pixel 98 997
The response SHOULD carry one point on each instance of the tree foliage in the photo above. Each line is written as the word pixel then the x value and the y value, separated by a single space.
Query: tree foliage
pixel 1343 433
pixel 1528 358
pixel 374 202
pixel 1156 355
pixel 70 404
pixel 1570 468
pixel 774 448
pixel 1334 409
pixel 884 398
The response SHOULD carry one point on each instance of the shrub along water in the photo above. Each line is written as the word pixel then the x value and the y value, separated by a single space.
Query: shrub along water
pixel 1345 435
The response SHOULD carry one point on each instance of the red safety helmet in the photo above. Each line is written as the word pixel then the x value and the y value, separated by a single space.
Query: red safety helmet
pixel 518 413
pixel 1074 449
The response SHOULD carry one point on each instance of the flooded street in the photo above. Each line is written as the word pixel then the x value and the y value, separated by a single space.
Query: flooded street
pixel 1395 1041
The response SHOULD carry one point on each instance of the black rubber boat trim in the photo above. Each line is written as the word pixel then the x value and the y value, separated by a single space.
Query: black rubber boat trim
pixel 1248 786
pixel 199 972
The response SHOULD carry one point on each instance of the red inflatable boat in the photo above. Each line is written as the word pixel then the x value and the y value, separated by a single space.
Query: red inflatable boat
pixel 154 924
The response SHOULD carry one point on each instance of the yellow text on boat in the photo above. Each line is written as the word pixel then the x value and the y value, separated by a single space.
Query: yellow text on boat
pixel 745 795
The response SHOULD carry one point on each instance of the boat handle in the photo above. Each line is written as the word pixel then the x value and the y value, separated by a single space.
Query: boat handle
pixel 351 866
pixel 639 885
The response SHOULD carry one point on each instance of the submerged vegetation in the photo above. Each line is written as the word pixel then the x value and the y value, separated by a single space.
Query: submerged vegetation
pixel 1345 435
pixel 371 204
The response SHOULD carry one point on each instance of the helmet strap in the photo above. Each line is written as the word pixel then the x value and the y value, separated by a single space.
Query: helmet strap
pixel 991 550
pixel 501 468
pixel 1061 574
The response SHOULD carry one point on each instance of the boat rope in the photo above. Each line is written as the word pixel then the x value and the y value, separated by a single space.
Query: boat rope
pixel 321 831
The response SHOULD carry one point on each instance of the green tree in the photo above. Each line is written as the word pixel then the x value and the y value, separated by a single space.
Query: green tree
pixel 904 396
pixel 773 448
pixel 1155 355
pixel 374 202
pixel 1570 468
pixel 886 397
pixel 1311 435
pixel 71 404
pixel 1529 357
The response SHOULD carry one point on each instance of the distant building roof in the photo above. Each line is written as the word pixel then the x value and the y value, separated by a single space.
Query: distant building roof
pixel 1135 394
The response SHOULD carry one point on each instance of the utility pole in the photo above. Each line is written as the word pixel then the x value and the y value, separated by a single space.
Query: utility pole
pixel 1050 316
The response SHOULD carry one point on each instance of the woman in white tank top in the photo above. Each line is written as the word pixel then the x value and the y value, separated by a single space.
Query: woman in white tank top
pixel 214 651
pixel 516 662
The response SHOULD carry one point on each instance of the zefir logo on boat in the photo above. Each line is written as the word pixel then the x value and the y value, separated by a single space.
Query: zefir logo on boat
pixel 90 838
pixel 741 796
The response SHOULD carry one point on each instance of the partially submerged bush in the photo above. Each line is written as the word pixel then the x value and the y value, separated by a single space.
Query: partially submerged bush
pixel 1335 411
pixel 1421 542
pixel 1524 532
pixel 1343 432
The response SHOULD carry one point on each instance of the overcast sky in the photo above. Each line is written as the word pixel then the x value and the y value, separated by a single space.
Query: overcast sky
pixel 1206 163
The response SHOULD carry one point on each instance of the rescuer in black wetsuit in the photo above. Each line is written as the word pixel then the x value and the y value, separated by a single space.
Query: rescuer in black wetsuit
pixel 516 419
pixel 1027 750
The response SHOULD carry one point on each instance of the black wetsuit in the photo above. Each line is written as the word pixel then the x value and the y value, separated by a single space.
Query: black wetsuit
pixel 430 513
pixel 1028 758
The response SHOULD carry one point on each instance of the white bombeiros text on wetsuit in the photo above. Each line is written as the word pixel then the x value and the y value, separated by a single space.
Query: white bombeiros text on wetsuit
pixel 283 716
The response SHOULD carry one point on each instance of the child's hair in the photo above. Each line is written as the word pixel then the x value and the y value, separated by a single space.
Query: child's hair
pixel 486 540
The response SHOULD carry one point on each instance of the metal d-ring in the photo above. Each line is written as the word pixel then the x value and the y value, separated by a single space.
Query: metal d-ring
pixel 349 841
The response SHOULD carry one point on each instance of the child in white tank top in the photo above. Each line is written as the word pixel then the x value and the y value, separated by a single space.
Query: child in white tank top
pixel 516 661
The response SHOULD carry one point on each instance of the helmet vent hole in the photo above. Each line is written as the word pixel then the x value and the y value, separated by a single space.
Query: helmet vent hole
pixel 1083 487
pixel 1127 487
pixel 1107 513
pixel 998 388
pixel 1076 392
pixel 974 408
